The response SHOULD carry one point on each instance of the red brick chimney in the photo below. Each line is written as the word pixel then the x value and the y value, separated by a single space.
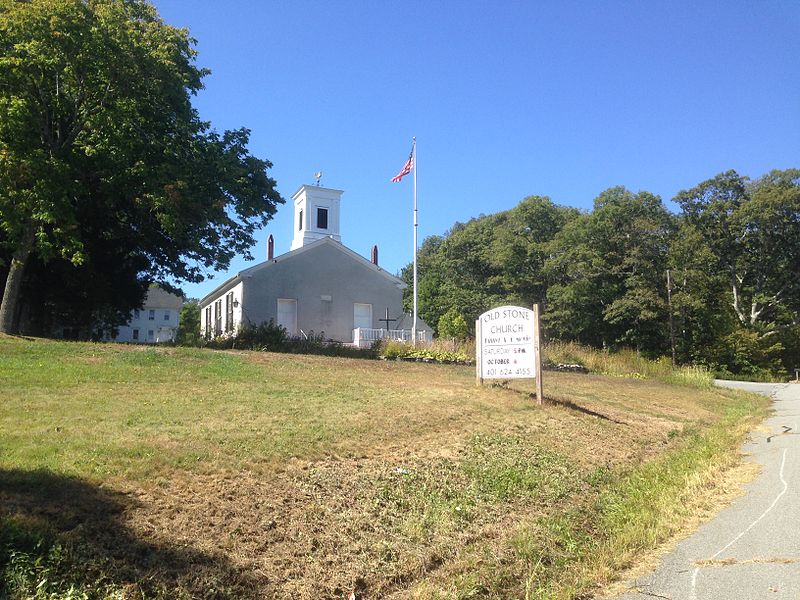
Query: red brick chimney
pixel 270 247
pixel 375 255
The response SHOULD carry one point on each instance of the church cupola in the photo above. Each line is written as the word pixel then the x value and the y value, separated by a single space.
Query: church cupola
pixel 316 215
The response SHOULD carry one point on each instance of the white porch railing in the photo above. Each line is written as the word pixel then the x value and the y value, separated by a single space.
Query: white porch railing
pixel 364 338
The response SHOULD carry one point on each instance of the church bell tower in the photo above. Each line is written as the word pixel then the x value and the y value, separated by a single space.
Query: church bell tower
pixel 316 215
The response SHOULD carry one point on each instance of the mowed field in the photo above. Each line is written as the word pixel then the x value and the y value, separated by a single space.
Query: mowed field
pixel 132 472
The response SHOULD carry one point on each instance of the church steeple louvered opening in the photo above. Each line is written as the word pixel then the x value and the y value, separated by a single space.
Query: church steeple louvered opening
pixel 316 215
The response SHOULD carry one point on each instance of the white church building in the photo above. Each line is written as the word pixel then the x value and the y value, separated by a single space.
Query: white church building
pixel 319 287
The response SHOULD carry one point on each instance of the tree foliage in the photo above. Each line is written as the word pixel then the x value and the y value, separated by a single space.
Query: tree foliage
pixel 607 269
pixel 453 325
pixel 488 261
pixel 753 233
pixel 188 333
pixel 732 253
pixel 740 288
pixel 99 141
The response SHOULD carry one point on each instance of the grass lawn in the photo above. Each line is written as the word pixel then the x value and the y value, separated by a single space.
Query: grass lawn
pixel 131 472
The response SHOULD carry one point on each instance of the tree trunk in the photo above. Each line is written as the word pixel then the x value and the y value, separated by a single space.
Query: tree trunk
pixel 735 303
pixel 8 308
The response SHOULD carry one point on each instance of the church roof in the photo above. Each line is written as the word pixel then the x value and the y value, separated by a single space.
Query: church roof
pixel 405 321
pixel 224 287
pixel 160 298
pixel 316 187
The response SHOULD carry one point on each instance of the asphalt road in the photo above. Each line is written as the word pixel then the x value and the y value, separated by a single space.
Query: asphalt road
pixel 750 550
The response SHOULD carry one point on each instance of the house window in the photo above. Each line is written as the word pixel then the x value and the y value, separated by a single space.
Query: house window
pixel 208 321
pixel 229 312
pixel 300 221
pixel 322 218
pixel 135 334
pixel 152 316
pixel 166 315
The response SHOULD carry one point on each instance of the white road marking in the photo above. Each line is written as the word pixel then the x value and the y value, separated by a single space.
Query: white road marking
pixel 693 593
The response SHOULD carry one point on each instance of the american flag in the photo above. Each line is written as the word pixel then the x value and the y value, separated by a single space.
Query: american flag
pixel 407 168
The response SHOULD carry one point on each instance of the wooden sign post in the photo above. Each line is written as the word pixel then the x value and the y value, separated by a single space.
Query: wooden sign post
pixel 537 349
pixel 508 345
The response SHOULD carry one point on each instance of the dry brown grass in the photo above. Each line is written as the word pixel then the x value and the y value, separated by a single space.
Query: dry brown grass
pixel 312 477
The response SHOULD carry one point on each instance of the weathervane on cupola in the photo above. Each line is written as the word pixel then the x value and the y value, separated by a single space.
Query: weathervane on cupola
pixel 318 176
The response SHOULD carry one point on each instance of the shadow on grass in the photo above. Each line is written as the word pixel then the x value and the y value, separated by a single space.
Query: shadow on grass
pixel 569 404
pixel 85 524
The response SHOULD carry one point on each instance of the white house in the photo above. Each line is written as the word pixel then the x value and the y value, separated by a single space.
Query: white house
pixel 155 322
pixel 320 286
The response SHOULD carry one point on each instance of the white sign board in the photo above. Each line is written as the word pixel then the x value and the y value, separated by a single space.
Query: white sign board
pixel 506 346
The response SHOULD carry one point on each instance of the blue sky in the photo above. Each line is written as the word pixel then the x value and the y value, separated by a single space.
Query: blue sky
pixel 506 99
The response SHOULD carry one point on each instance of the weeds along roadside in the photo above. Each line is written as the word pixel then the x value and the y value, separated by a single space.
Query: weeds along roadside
pixel 621 363
pixel 623 513
pixel 629 364
pixel 634 510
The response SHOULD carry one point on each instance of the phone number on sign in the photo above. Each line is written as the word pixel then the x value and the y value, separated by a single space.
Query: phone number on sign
pixel 507 372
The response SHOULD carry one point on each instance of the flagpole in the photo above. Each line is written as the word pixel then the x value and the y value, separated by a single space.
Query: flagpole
pixel 414 322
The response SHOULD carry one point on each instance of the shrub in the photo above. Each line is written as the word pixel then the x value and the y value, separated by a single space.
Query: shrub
pixel 317 344
pixel 393 349
pixel 452 325
pixel 748 354
pixel 188 333
pixel 266 337
pixel 269 337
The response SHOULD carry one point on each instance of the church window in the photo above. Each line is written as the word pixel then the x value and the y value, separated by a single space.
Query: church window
pixel 208 321
pixel 150 335
pixel 322 218
pixel 136 314
pixel 135 334
pixel 229 312
pixel 152 315
pixel 218 317
pixel 166 315
pixel 300 221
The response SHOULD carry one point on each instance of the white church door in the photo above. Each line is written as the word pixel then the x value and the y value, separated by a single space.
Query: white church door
pixel 287 315
pixel 362 316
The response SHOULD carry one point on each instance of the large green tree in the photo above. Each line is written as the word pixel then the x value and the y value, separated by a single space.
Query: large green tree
pixel 753 232
pixel 738 265
pixel 608 273
pixel 488 261
pixel 700 312
pixel 521 245
pixel 96 119
pixel 733 257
